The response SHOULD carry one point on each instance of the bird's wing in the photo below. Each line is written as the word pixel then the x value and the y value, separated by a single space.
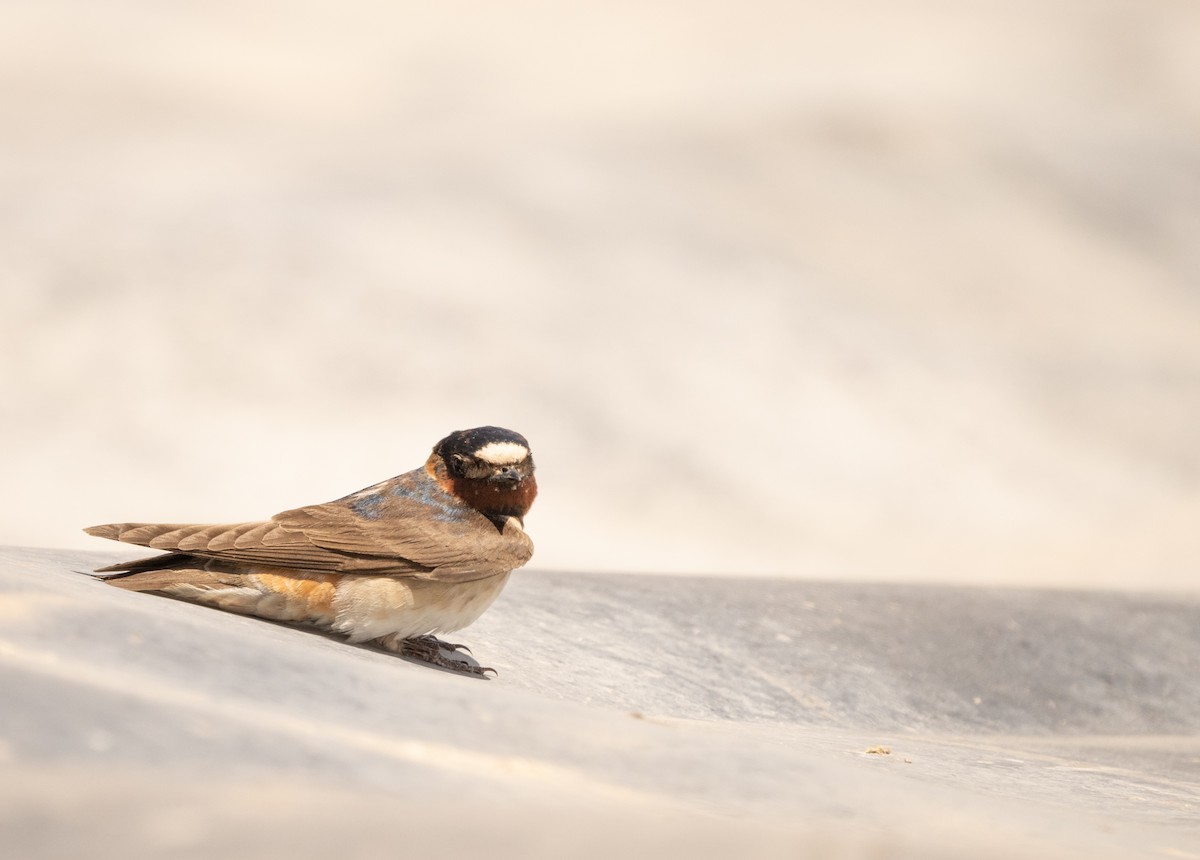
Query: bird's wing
pixel 268 543
pixel 403 527
pixel 464 547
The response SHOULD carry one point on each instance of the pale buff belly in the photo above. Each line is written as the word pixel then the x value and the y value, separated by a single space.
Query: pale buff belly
pixel 359 607
pixel 370 607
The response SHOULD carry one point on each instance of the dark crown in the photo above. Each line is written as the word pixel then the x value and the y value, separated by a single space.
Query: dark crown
pixel 468 442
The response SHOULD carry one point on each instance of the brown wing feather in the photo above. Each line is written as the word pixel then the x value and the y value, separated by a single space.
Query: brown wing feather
pixel 220 541
pixel 459 550
pixel 410 528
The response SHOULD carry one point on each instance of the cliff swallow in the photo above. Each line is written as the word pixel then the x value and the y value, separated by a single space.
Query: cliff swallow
pixel 393 565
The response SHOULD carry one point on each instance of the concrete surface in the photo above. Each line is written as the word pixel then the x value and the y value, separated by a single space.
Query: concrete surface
pixel 632 716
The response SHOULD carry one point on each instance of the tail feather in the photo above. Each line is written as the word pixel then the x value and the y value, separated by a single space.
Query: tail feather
pixel 173 579
pixel 177 572
pixel 154 562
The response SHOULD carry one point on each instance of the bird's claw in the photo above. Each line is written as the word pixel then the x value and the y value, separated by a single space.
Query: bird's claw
pixel 428 649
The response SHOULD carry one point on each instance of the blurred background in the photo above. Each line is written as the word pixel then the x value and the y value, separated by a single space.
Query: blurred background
pixel 885 289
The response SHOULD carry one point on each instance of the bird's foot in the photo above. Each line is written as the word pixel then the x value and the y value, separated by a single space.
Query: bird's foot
pixel 451 646
pixel 431 650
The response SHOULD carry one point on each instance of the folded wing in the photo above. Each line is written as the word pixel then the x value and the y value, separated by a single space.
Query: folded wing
pixel 396 535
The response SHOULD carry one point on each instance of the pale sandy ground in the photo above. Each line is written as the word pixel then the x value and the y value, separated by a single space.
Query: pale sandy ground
pixel 871 290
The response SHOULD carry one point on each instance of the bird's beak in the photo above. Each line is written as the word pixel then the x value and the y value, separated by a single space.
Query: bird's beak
pixel 508 476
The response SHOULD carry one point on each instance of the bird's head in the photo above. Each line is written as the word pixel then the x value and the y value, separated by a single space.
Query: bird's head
pixel 489 468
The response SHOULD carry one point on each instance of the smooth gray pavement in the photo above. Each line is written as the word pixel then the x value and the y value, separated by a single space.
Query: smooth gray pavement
pixel 632 716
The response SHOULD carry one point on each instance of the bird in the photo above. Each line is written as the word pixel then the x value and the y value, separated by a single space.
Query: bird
pixel 392 565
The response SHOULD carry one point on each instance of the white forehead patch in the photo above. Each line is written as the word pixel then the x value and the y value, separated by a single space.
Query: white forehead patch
pixel 502 453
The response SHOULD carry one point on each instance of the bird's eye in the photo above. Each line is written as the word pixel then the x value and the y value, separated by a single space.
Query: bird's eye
pixel 459 461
